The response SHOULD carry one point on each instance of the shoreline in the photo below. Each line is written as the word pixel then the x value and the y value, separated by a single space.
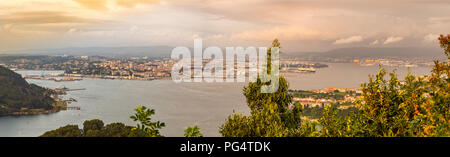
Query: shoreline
pixel 31 113
pixel 58 105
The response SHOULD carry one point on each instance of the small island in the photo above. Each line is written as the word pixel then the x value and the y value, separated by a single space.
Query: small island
pixel 18 97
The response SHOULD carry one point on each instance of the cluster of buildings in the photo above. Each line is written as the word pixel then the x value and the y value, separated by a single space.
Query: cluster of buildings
pixel 330 90
pixel 134 68
pixel 327 96
pixel 127 69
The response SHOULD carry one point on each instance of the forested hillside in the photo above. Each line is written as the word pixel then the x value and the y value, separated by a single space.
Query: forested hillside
pixel 19 97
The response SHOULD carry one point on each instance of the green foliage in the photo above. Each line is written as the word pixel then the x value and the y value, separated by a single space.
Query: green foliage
pixel 307 129
pixel 333 95
pixel 145 126
pixel 332 124
pixel 269 123
pixel 419 106
pixel 92 128
pixel 266 123
pixel 236 125
pixel 256 99
pixel 117 130
pixel 96 128
pixel 193 132
pixel 445 42
pixel 94 124
pixel 316 112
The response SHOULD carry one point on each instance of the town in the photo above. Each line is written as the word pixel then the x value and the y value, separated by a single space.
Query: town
pixel 129 68
pixel 132 68
pixel 373 61
pixel 314 101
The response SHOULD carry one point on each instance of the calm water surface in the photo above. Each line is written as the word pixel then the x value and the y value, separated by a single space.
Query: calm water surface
pixel 178 105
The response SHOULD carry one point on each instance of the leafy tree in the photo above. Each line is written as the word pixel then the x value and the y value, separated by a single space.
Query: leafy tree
pixel 417 106
pixel 256 99
pixel 332 124
pixel 236 125
pixel 96 127
pixel 17 95
pixel 271 114
pixel 66 131
pixel 445 42
pixel 307 129
pixel 117 130
pixel 193 132
pixel 145 126
pixel 94 124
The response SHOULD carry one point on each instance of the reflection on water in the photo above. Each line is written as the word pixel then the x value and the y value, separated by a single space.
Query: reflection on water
pixel 178 105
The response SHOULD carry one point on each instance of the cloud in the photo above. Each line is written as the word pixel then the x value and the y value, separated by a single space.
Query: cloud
pixel 134 29
pixel 352 39
pixel 302 25
pixel 392 39
pixel 133 3
pixel 431 38
pixel 93 4
pixel 374 42
pixel 7 27
pixel 42 17
pixel 281 32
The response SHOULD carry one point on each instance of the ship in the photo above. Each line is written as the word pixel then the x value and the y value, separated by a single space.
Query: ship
pixel 310 69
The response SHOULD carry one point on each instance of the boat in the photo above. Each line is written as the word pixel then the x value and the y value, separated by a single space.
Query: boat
pixel 410 65
pixel 310 69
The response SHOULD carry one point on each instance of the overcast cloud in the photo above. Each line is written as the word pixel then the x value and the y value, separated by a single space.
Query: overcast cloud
pixel 300 25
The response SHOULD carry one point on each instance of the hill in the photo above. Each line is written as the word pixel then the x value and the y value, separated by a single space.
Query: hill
pixel 17 97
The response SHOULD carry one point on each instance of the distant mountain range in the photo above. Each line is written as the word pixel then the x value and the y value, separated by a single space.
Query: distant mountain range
pixel 165 51
pixel 150 51
pixel 376 52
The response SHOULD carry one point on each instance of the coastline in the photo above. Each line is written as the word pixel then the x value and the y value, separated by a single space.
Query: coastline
pixel 58 105
pixel 31 113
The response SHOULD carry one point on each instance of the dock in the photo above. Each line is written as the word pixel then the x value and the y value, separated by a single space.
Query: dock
pixel 74 108
pixel 75 89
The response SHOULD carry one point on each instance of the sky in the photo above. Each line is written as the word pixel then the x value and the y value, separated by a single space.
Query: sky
pixel 300 25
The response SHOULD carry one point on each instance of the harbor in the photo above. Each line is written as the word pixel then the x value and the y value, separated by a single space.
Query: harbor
pixel 53 77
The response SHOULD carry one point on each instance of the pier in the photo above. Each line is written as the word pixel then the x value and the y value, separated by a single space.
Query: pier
pixel 74 108
pixel 75 89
